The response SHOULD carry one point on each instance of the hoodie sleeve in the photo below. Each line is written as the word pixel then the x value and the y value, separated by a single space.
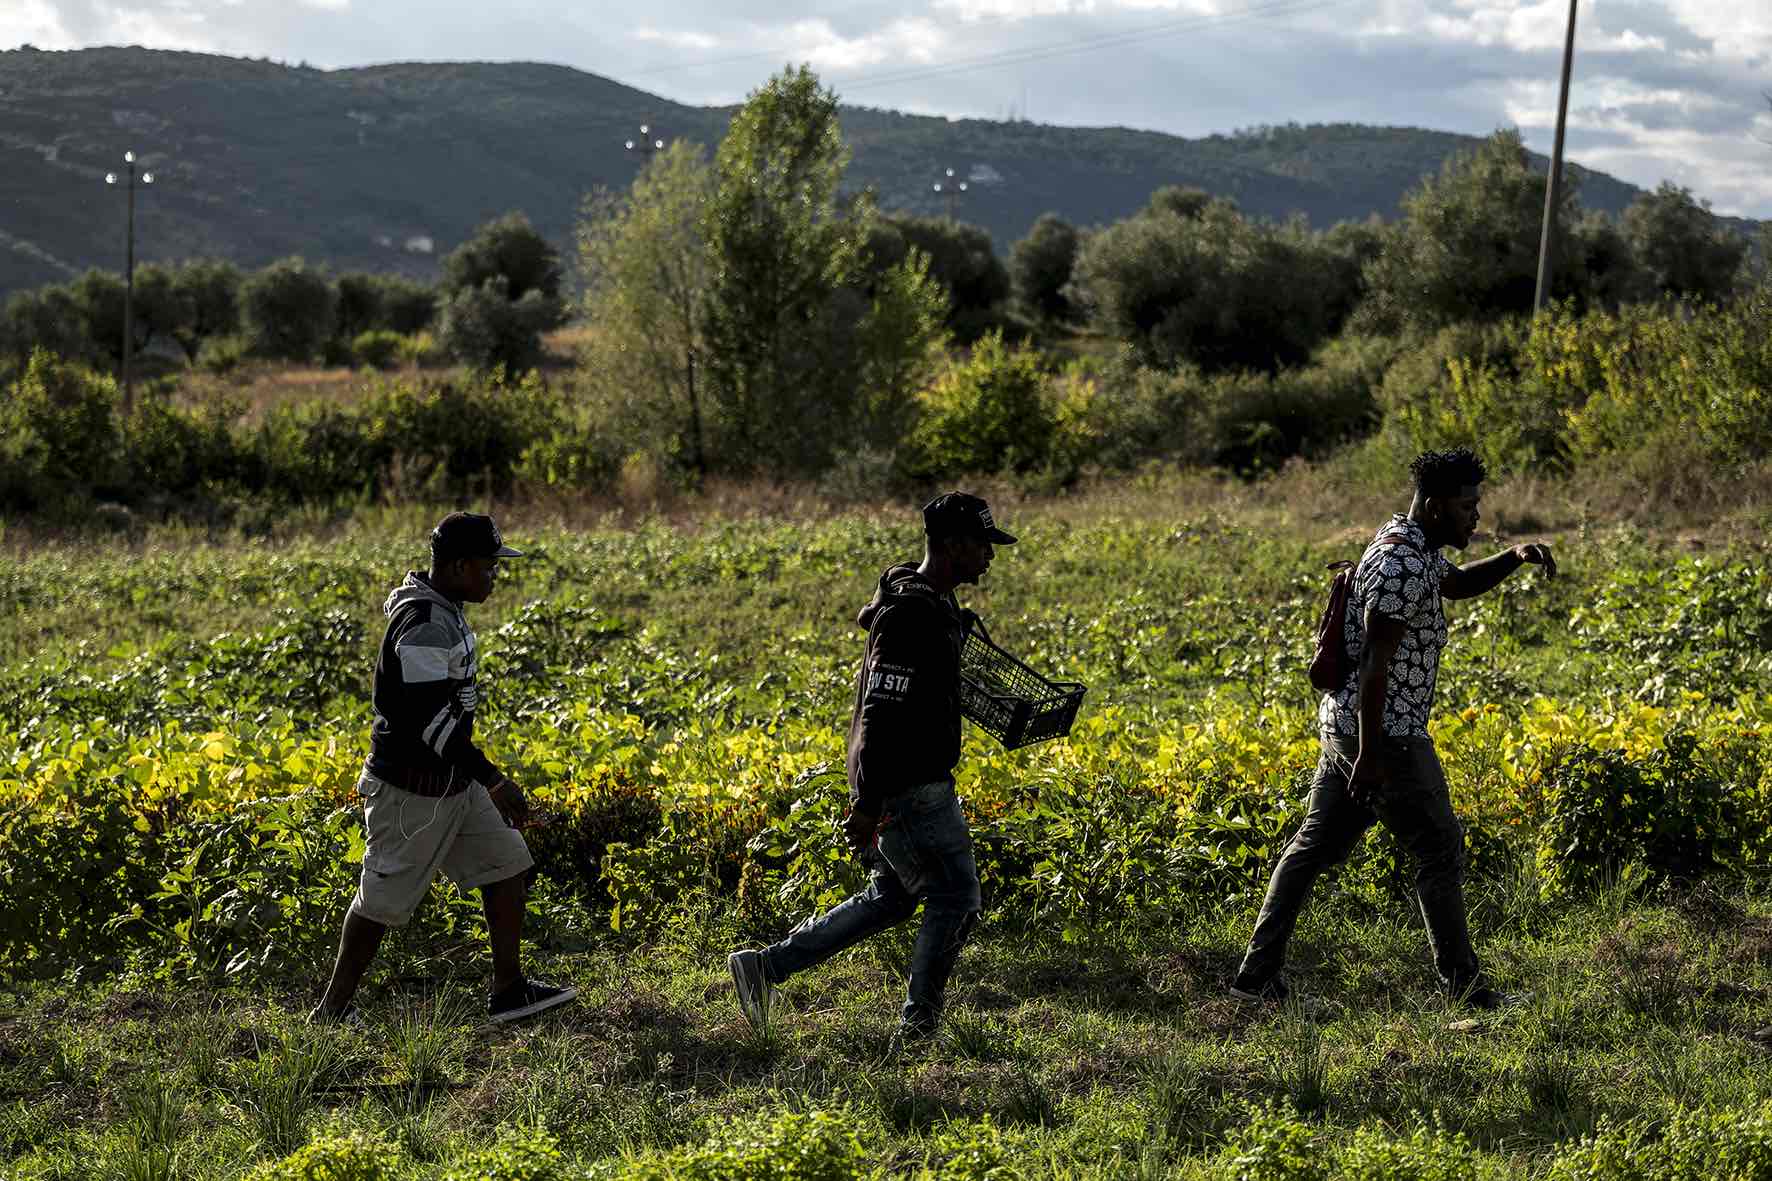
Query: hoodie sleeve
pixel 904 664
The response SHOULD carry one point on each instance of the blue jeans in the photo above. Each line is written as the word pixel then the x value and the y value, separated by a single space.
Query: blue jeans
pixel 925 855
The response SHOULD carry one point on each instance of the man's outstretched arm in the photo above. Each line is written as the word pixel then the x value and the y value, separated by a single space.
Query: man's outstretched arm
pixel 1467 582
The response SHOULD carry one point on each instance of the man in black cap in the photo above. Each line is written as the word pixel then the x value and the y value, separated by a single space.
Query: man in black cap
pixel 431 800
pixel 904 820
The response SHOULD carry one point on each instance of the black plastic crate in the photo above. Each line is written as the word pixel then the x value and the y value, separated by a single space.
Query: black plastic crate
pixel 1009 700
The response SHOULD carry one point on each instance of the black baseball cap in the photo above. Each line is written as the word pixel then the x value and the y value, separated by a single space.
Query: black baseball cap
pixel 960 514
pixel 469 535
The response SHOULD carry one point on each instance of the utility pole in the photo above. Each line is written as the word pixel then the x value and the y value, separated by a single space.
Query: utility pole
pixel 129 279
pixel 1553 185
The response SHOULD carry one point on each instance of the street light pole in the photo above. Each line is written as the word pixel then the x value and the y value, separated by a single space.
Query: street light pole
pixel 1553 185
pixel 129 278
pixel 952 188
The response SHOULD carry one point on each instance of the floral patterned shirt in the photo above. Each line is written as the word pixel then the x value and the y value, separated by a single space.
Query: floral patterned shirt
pixel 1399 577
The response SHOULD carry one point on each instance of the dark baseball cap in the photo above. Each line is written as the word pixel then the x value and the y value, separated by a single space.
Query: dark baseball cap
pixel 960 514
pixel 469 535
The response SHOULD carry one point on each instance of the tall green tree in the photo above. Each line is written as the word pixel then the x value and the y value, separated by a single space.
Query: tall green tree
pixel 960 258
pixel 1040 267
pixel 1685 251
pixel 1466 247
pixel 783 257
pixel 647 272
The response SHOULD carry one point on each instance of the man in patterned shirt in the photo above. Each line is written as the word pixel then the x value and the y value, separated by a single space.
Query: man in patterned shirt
pixel 1378 762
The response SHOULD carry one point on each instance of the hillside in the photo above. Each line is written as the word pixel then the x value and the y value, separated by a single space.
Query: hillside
pixel 388 167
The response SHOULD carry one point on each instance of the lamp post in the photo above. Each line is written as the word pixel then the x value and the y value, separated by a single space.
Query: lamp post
pixel 648 143
pixel 129 276
pixel 951 188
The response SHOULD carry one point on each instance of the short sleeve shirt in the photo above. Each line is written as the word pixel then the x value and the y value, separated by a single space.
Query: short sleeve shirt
pixel 1398 576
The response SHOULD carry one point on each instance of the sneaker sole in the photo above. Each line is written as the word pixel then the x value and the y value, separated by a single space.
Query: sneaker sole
pixel 534 1007
pixel 1254 998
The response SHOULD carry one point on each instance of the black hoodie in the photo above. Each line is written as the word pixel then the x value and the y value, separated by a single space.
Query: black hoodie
pixel 906 728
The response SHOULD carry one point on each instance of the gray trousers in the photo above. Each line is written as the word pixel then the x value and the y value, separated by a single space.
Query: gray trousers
pixel 1416 806
pixel 925 855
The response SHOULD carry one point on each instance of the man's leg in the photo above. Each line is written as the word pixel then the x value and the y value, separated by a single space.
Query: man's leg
pixel 357 945
pixel 504 903
pixel 1331 826
pixel 1418 808
pixel 884 903
pixel 942 849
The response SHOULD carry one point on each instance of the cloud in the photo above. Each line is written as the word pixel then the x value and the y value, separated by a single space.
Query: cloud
pixel 33 22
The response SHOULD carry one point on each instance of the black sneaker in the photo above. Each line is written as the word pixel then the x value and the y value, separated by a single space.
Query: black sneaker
pixel 1269 992
pixel 911 1039
pixel 756 995
pixel 351 1018
pixel 526 998
pixel 1489 1000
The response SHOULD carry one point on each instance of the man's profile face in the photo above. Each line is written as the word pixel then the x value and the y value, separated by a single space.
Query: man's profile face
pixel 971 557
pixel 1460 514
pixel 473 578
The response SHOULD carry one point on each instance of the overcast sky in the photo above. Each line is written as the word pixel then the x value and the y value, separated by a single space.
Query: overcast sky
pixel 1664 89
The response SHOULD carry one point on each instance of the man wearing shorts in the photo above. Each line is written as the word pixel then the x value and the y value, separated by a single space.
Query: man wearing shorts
pixel 431 800
pixel 904 820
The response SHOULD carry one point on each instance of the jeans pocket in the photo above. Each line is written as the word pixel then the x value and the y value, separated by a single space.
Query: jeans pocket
pixel 899 849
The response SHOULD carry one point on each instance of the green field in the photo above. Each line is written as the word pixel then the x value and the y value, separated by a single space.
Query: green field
pixel 182 718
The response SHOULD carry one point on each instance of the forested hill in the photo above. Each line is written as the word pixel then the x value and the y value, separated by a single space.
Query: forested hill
pixel 387 167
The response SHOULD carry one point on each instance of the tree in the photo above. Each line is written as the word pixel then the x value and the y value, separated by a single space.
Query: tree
pixel 1466 247
pixel 206 294
pixel 783 259
pixel 647 272
pixel 288 310
pixel 1684 250
pixel 407 306
pixel 505 260
pixel 1040 267
pixel 507 247
pixel 1214 289
pixel 48 318
pixel 99 296
pixel 960 258
pixel 359 306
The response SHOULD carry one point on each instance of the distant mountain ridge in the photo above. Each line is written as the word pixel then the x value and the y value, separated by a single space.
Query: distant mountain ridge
pixel 388 167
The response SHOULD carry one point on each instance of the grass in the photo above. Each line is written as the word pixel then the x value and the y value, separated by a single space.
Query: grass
pixel 1124 1056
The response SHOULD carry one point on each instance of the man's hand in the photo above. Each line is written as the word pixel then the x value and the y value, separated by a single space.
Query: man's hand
pixel 508 798
pixel 1537 554
pixel 858 830
pixel 1365 780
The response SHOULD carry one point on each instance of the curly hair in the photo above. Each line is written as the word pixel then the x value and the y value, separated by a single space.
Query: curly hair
pixel 1446 473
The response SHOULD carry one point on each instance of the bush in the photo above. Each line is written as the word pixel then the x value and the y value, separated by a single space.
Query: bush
pixel 1693 1146
pixel 988 413
pixel 1669 813
pixel 59 437
pixel 486 328
pixel 377 349
pixel 521 1154
pixel 815 1146
pixel 334 1155
pixel 221 355
pixel 1040 267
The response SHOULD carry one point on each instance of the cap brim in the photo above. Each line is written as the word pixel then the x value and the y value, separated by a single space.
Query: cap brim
pixel 505 551
pixel 998 537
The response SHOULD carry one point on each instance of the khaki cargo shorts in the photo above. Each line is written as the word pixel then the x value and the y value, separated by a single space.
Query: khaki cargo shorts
pixel 411 837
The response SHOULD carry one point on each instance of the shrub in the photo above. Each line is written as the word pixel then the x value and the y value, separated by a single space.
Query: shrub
pixel 221 355
pixel 988 413
pixel 377 348
pixel 1429 1154
pixel 814 1146
pixel 1040 267
pixel 1669 813
pixel 1692 1146
pixel 334 1155
pixel 59 436
pixel 521 1154
pixel 488 329
pixel 1276 1145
